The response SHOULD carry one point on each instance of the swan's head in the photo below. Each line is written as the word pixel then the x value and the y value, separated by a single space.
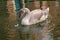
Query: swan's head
pixel 23 12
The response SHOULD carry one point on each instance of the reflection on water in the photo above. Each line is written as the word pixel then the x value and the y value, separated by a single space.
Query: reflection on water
pixel 33 32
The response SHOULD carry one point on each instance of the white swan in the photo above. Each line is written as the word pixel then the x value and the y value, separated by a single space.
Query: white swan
pixel 33 16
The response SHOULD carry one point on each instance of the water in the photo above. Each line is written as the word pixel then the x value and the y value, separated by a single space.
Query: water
pixel 33 32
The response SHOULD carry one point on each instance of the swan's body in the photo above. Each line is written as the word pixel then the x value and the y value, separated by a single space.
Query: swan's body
pixel 33 16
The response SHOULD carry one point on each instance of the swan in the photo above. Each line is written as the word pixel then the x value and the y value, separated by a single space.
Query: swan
pixel 33 17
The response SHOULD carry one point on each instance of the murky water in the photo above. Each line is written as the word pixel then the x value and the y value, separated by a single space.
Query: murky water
pixel 23 32
pixel 33 32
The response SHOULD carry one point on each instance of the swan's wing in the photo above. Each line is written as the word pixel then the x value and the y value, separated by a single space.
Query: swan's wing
pixel 35 17
pixel 42 18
